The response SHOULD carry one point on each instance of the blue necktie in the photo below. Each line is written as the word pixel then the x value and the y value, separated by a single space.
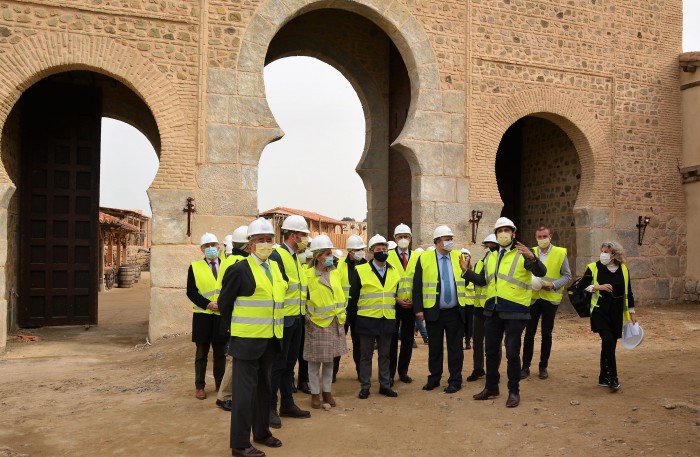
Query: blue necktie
pixel 446 281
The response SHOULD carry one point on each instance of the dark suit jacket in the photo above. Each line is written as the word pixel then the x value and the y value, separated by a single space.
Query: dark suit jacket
pixel 239 281
pixel 430 314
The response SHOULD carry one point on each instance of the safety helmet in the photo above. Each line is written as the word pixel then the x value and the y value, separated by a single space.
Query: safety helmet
pixel 338 254
pixel 441 231
pixel 537 283
pixel 321 242
pixel 402 229
pixel 466 251
pixel 491 238
pixel 376 239
pixel 420 249
pixel 355 242
pixel 295 223
pixel 208 238
pixel 228 239
pixel 431 248
pixel 503 222
pixel 260 226
pixel 240 235
pixel 391 245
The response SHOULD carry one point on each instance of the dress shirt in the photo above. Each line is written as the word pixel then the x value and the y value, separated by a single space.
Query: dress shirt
pixel 450 283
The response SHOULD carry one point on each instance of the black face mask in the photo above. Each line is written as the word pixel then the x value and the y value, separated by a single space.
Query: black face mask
pixel 493 248
pixel 381 256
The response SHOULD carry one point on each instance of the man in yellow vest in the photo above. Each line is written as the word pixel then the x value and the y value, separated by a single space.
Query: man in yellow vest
pixel 295 232
pixel 508 278
pixel 203 292
pixel 545 301
pixel 252 299
pixel 404 260
pixel 439 298
pixel 373 290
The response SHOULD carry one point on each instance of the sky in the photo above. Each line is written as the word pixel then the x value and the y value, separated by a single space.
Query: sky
pixel 324 136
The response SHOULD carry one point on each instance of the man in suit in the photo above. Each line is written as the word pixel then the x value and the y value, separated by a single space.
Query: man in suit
pixel 439 298
pixel 252 299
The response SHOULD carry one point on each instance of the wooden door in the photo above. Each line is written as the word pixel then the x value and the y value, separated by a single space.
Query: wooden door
pixel 59 204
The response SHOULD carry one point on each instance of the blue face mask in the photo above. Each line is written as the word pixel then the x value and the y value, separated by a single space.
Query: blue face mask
pixel 328 261
pixel 211 252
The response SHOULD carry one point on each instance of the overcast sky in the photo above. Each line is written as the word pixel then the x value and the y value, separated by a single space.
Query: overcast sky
pixel 313 166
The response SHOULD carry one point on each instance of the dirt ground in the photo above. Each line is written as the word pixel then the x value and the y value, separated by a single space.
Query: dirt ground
pixel 100 391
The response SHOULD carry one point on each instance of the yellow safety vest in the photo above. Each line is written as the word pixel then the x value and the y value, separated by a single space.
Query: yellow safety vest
pixel 227 262
pixel 553 262
pixel 343 271
pixel 295 298
pixel 429 265
pixel 513 282
pixel 375 300
pixel 406 283
pixel 594 298
pixel 261 314
pixel 324 303
pixel 480 292
pixel 208 286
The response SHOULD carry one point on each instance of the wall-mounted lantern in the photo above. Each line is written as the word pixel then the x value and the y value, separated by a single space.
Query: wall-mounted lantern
pixel 476 217
pixel 642 226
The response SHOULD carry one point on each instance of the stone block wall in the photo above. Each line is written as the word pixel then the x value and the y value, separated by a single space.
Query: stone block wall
pixel 140 256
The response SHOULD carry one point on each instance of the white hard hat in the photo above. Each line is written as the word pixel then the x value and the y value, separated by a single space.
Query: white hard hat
pixel 228 239
pixel 537 283
pixel 391 245
pixel 402 229
pixel 338 254
pixel 321 242
pixel 240 235
pixel 466 251
pixel 632 335
pixel 491 238
pixel 376 239
pixel 295 223
pixel 442 230
pixel 260 226
pixel 355 242
pixel 208 238
pixel 503 222
pixel 431 248
pixel 420 249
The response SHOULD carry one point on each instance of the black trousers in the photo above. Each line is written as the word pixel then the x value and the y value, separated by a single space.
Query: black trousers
pixel 495 329
pixel 405 325
pixel 355 338
pixel 449 326
pixel 478 337
pixel 367 352
pixel 200 363
pixel 303 375
pixel 469 324
pixel 250 401
pixel 608 361
pixel 547 311
pixel 283 366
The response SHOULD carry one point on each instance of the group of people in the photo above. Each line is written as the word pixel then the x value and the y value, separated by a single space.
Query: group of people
pixel 269 307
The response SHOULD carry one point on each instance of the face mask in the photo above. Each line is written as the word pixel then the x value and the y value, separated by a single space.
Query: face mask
pixel 263 250
pixel 381 256
pixel 303 244
pixel 605 258
pixel 543 244
pixel 328 261
pixel 448 245
pixel 403 243
pixel 359 255
pixel 302 257
pixel 211 252
pixel 504 238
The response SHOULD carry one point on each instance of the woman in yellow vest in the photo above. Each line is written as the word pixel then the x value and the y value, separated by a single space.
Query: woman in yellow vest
pixel 612 303
pixel 324 338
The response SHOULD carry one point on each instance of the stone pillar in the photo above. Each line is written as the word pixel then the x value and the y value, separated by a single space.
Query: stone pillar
pixel 6 192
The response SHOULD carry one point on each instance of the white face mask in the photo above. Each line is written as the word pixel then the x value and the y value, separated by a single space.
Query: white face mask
pixel 543 243
pixel 448 245
pixel 302 257
pixel 359 255
pixel 403 243
pixel 605 258
pixel 263 250
pixel 504 238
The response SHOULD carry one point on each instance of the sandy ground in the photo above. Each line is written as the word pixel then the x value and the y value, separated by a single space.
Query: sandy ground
pixel 80 392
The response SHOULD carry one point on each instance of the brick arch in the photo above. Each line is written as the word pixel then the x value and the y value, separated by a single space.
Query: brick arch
pixel 592 143
pixel 46 54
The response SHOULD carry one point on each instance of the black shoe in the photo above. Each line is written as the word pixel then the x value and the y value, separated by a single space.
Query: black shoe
pixel 364 393
pixel 603 381
pixel 430 386
pixel 525 372
pixel 614 384
pixel 295 412
pixel 513 400
pixel 304 387
pixel 543 373
pixel 406 379
pixel 275 421
pixel 452 388
pixel 476 374
pixel 388 392
pixel 225 405
pixel 486 394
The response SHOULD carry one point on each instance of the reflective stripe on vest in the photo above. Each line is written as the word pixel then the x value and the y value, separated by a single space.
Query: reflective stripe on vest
pixel 429 265
pixel 325 303
pixel 295 297
pixel 512 281
pixel 480 292
pixel 343 270
pixel 406 282
pixel 553 262
pixel 261 314
pixel 594 298
pixel 375 300
pixel 207 286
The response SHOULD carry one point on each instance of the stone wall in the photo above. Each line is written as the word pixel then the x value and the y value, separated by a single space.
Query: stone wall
pixel 140 256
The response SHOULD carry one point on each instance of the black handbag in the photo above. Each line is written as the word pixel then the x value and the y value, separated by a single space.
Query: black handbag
pixel 580 298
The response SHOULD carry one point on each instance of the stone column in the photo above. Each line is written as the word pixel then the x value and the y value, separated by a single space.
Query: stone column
pixel 6 192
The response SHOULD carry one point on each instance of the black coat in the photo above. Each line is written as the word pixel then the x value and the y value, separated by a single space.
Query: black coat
pixel 206 328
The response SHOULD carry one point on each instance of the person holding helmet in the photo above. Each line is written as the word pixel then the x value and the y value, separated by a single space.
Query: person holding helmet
pixel 404 260
pixel 355 246
pixel 295 232
pixel 490 244
pixel 203 291
pixel 508 278
pixel 439 298
pixel 545 301
pixel 228 246
pixel 373 289
pixel 324 338
pixel 252 299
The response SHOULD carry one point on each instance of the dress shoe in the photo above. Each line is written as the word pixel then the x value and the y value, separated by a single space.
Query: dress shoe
pixel 316 401
pixel 304 387
pixel 486 394
pixel 476 374
pixel 247 452
pixel 513 400
pixel 275 421
pixel 603 381
pixel 524 372
pixel 225 405
pixel 406 379
pixel 270 441
pixel 388 392
pixel 200 394
pixel 430 386
pixel 452 388
pixel 543 373
pixel 364 393
pixel 614 384
pixel 328 398
pixel 294 411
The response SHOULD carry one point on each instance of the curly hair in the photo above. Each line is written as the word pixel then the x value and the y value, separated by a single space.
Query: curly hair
pixel 617 252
